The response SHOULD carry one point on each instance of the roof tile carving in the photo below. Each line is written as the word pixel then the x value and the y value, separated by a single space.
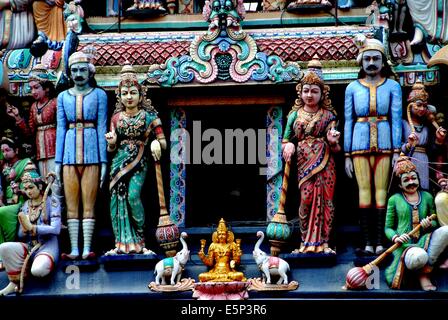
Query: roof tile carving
pixel 289 49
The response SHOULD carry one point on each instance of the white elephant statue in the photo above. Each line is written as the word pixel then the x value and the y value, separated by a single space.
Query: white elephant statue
pixel 174 266
pixel 270 265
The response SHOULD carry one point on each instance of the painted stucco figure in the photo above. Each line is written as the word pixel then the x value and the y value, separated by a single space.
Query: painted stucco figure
pixel 223 255
pixel 372 136
pixel 405 210
pixel 13 170
pixel 17 28
pixel 81 155
pixel 40 225
pixel 135 128
pixel 311 134
pixel 418 136
pixel 41 124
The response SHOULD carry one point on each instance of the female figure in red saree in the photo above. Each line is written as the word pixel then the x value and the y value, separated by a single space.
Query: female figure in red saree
pixel 310 131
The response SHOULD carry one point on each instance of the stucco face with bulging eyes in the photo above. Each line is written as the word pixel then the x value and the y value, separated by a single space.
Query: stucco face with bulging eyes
pixel 409 182
pixel 372 62
pixel 80 73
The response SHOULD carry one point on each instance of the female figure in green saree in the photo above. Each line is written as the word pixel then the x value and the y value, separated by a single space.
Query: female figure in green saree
pixel 12 171
pixel 134 122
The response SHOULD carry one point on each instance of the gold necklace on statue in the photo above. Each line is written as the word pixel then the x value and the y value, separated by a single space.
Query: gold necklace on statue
pixel 35 211
pixel 310 119
pixel 308 116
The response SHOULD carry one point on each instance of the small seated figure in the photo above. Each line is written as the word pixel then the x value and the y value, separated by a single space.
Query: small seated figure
pixel 40 225
pixel 223 254
pixel 405 210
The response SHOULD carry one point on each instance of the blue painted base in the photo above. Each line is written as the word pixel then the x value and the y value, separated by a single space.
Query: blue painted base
pixel 362 261
pixel 83 265
pixel 129 262
pixel 322 260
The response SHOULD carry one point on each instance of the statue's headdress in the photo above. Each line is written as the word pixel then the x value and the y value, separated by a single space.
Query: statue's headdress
pixel 39 73
pixel 31 176
pixel 404 165
pixel 78 57
pixel 86 55
pixel 222 226
pixel 314 74
pixel 418 92
pixel 7 139
pixel 128 75
pixel 363 43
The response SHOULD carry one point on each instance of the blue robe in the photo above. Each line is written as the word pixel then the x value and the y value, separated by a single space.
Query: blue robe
pixel 81 128
pixel 373 117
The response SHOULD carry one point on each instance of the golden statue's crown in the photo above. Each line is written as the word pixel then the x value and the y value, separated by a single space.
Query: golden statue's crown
pixel 222 225
pixel 311 77
pixel 315 63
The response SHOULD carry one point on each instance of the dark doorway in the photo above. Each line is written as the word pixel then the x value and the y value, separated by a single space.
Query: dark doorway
pixel 236 192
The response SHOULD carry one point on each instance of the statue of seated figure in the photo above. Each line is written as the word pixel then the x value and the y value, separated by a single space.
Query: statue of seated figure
pixel 223 254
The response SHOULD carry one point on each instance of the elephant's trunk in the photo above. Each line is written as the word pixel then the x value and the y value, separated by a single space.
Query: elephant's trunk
pixel 182 240
pixel 260 235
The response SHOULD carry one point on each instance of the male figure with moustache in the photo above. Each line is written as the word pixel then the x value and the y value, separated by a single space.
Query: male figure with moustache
pixel 406 209
pixel 81 152
pixel 372 137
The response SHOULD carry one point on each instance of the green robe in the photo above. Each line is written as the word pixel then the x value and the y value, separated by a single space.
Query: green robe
pixel 398 222
pixel 8 214
pixel 128 172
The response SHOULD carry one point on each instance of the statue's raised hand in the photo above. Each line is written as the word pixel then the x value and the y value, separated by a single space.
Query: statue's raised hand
pixel 413 139
pixel 111 137
pixel 12 111
pixel 333 136
pixel 440 135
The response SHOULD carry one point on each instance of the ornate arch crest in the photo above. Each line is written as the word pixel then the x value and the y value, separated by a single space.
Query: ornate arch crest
pixel 225 52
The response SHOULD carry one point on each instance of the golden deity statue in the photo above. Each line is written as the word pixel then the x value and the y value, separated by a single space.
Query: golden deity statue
pixel 223 255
